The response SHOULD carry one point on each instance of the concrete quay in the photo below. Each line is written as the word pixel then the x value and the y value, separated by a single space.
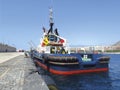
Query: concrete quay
pixel 19 73
pixel 9 55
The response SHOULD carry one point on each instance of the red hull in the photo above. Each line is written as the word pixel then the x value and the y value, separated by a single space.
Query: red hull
pixel 72 72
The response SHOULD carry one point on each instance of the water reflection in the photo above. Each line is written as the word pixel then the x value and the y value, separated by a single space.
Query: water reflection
pixel 94 81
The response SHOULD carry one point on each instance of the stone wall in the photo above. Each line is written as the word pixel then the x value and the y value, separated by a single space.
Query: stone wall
pixel 6 48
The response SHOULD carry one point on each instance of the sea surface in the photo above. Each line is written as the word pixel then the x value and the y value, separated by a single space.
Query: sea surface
pixel 93 81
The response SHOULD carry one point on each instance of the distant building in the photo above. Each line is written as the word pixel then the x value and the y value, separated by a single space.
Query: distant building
pixel 7 48
pixel 95 49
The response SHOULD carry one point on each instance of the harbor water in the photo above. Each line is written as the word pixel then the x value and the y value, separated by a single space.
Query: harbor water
pixel 95 81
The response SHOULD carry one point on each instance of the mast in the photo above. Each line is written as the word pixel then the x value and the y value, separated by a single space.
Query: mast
pixel 51 19
pixel 51 15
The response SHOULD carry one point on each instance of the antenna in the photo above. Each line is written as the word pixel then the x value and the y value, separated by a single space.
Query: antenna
pixel 51 4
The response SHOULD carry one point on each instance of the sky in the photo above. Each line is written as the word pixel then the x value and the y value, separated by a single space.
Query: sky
pixel 81 22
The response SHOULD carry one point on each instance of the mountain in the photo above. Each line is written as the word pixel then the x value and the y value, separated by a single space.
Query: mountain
pixel 116 44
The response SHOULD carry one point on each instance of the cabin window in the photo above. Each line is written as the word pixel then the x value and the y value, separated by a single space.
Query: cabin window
pixel 52 50
pixel 51 38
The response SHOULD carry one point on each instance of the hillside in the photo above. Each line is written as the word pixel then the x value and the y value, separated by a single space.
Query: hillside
pixel 116 44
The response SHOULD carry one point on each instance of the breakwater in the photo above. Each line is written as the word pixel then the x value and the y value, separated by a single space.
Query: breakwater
pixel 6 48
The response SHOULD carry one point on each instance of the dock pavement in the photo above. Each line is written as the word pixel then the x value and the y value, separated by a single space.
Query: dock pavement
pixel 19 73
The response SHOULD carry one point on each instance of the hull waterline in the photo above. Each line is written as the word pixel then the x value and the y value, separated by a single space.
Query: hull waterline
pixel 70 72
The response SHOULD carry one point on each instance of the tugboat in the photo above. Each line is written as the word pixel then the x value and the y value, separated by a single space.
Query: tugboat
pixel 53 55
